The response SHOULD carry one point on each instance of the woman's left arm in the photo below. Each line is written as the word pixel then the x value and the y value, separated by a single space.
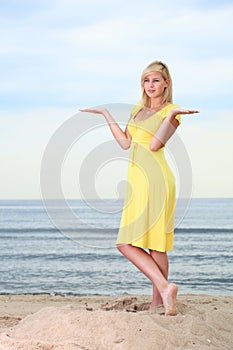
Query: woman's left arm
pixel 167 128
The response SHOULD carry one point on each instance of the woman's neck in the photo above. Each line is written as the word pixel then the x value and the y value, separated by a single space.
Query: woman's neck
pixel 156 103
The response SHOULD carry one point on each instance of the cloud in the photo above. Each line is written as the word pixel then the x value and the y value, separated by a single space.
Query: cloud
pixel 62 55
pixel 50 58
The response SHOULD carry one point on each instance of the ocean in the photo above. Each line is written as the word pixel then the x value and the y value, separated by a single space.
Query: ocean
pixel 82 260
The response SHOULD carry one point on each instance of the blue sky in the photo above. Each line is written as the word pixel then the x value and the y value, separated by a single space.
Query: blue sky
pixel 59 56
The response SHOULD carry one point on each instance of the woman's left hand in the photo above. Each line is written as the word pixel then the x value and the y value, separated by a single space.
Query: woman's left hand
pixel 175 111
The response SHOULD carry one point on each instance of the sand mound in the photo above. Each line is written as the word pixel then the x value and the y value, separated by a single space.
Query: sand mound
pixel 129 304
pixel 202 322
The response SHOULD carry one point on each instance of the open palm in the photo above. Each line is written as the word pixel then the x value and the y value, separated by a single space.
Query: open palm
pixel 94 110
pixel 176 111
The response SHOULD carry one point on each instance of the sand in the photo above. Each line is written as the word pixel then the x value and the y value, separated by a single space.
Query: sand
pixel 44 322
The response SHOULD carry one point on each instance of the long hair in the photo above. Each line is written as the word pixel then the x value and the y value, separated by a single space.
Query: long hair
pixel 157 66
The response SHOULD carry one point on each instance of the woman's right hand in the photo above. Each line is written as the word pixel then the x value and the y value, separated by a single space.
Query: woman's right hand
pixel 95 110
pixel 122 137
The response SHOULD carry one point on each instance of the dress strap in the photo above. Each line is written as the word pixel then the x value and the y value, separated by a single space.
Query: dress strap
pixel 135 109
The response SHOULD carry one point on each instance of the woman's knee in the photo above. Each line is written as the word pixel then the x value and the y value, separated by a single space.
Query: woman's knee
pixel 157 253
pixel 122 247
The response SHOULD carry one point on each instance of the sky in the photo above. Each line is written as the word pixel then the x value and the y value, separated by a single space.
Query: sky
pixel 59 56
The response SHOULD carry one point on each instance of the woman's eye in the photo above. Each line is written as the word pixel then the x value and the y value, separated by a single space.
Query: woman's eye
pixel 154 80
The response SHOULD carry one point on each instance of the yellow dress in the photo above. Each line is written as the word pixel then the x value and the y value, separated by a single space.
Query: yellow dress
pixel 148 214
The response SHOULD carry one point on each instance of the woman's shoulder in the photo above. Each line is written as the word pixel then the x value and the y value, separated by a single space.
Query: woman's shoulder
pixel 168 108
pixel 135 109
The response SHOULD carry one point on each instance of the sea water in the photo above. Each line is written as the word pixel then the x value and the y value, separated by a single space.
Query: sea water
pixel 37 257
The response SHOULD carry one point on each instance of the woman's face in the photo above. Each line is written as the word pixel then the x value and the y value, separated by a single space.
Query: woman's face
pixel 154 85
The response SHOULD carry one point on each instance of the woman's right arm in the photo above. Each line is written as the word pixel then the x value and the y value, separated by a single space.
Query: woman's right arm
pixel 122 137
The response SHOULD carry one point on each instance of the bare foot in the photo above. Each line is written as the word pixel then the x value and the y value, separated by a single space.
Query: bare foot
pixel 169 299
pixel 156 309
pixel 156 300
pixel 154 306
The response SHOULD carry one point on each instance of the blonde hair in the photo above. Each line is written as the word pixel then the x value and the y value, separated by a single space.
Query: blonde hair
pixel 157 66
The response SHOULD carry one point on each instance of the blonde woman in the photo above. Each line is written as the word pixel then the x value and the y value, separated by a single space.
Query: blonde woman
pixel 147 225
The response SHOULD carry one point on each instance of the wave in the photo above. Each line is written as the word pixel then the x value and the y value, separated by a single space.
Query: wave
pixel 204 230
pixel 55 230
pixel 32 230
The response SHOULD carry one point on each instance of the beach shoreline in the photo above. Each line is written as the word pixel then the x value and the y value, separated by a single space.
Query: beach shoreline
pixel 45 322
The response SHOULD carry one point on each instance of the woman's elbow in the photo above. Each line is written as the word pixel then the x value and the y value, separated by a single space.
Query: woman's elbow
pixel 125 147
pixel 154 147
pixel 124 144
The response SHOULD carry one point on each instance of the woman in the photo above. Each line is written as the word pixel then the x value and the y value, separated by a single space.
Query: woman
pixel 148 216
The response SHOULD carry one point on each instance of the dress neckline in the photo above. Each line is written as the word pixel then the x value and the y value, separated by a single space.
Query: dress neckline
pixel 152 115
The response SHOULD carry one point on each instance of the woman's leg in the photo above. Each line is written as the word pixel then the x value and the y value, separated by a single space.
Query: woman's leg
pixel 161 260
pixel 146 264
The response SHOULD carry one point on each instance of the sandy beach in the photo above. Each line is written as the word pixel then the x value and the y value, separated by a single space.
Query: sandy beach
pixel 44 322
